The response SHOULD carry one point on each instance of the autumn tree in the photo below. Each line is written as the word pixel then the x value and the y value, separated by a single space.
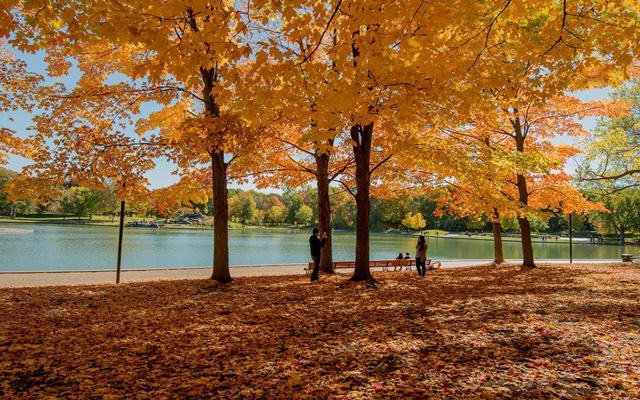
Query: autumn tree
pixel 414 221
pixel 185 58
pixel 16 92
pixel 525 102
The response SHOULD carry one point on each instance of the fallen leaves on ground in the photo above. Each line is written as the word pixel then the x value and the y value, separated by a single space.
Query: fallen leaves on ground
pixel 557 331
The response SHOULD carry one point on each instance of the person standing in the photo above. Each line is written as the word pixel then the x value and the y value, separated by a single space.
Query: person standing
pixel 421 256
pixel 316 245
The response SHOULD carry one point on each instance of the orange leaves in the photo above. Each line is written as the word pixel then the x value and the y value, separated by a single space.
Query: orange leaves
pixel 468 332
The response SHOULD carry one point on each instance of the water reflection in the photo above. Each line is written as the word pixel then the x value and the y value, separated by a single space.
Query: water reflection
pixel 88 247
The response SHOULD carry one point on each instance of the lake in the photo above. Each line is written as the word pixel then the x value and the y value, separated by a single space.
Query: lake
pixel 57 247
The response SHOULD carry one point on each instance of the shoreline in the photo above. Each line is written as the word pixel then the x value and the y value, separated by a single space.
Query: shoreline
pixel 65 278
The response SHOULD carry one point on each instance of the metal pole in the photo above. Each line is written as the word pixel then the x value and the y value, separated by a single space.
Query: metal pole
pixel 120 241
pixel 570 241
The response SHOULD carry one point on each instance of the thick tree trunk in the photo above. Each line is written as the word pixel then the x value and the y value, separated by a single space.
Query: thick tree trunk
pixel 527 245
pixel 361 136
pixel 498 252
pixel 525 226
pixel 523 197
pixel 221 271
pixel 324 211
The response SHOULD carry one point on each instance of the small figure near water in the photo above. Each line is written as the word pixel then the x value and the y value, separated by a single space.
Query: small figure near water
pixel 316 245
pixel 400 256
pixel 421 255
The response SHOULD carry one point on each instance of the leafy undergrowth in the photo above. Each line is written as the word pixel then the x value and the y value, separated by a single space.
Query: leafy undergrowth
pixel 558 331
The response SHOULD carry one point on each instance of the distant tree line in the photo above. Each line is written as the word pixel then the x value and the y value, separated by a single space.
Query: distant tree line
pixel 298 207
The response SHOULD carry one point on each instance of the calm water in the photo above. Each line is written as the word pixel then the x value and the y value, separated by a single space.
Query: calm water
pixel 85 247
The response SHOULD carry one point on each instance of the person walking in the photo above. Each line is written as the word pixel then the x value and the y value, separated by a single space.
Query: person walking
pixel 316 245
pixel 421 255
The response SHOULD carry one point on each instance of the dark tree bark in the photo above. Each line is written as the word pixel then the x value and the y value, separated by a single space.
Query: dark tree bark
pixel 221 272
pixel 527 245
pixel 498 251
pixel 324 211
pixel 362 136
pixel 523 197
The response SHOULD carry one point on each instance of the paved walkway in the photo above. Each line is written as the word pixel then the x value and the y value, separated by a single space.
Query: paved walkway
pixel 18 279
pixel 24 279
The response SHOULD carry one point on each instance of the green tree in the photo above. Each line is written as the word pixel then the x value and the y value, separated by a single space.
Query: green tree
pixel 344 209
pixel 276 214
pixel 293 200
pixel 5 177
pixel 304 215
pixel 80 202
pixel 246 208
pixel 612 157
pixel 624 215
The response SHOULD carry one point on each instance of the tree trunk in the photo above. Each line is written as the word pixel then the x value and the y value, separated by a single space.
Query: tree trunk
pixel 324 211
pixel 221 271
pixel 525 227
pixel 498 251
pixel 361 136
pixel 527 245
pixel 523 197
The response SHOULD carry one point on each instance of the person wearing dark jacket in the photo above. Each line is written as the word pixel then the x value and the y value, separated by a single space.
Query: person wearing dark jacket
pixel 316 246
pixel 421 256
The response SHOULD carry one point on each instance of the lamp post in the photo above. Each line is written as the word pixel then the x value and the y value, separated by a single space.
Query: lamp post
pixel 437 235
pixel 119 263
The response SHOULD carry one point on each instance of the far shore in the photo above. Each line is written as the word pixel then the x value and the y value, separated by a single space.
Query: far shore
pixel 429 233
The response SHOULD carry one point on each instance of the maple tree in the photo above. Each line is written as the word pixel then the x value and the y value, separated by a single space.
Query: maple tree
pixel 16 83
pixel 360 43
pixel 557 58
pixel 515 169
pixel 294 162
pixel 524 96
pixel 148 44
pixel 382 77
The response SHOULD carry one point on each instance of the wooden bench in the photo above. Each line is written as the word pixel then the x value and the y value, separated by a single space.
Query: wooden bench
pixel 384 264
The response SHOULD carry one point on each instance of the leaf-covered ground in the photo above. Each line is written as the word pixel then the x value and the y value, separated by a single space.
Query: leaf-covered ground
pixel 558 331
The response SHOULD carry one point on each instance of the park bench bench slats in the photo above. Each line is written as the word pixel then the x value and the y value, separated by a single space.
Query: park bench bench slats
pixel 384 264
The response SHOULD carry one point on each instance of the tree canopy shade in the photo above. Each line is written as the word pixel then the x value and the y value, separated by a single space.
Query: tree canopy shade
pixel 384 80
